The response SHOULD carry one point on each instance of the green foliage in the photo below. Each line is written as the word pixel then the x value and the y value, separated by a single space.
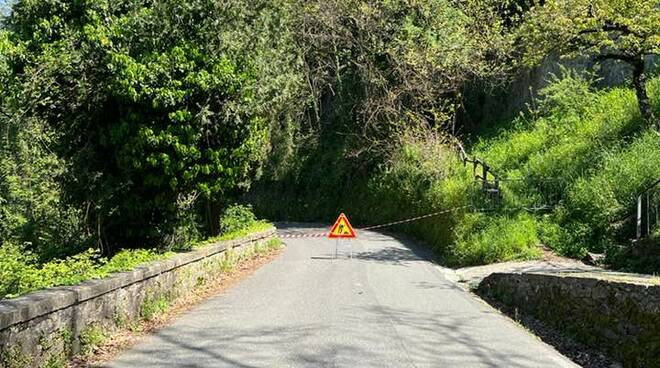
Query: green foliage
pixel 229 260
pixel 20 273
pixel 423 174
pixel 157 106
pixel 258 226
pixel 151 307
pixel 91 337
pixel 133 123
pixel 483 239
pixel 609 30
pixel 128 259
pixel 627 28
pixel 13 357
pixel 55 361
pixel 588 150
pixel 605 199
pixel 274 244
pixel 31 208
pixel 237 218
pixel 375 69
pixel 595 143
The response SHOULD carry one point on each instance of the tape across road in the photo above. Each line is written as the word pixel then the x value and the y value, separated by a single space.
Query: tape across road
pixel 412 219
pixel 438 213
pixel 310 235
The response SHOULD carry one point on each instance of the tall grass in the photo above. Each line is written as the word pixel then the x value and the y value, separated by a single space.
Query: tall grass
pixel 599 150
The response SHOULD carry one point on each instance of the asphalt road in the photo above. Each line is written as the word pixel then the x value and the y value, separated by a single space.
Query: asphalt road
pixel 386 307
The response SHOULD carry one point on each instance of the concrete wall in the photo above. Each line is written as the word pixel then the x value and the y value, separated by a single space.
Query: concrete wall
pixel 43 327
pixel 620 318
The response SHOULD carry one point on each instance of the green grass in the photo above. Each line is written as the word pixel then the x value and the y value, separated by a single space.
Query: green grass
pixel 487 239
pixel 600 150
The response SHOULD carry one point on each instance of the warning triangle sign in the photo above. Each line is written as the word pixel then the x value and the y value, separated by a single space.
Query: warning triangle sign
pixel 342 228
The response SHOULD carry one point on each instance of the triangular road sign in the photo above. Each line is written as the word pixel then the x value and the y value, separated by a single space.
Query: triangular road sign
pixel 342 228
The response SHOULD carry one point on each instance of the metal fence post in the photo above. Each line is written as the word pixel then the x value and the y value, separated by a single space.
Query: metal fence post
pixel 485 176
pixel 648 213
pixel 639 217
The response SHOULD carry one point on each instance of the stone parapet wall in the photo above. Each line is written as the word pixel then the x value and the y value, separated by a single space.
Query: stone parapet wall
pixel 44 326
pixel 619 318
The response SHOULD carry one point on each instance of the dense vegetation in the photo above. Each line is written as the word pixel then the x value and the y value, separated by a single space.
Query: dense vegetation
pixel 135 124
pixel 20 271
pixel 583 151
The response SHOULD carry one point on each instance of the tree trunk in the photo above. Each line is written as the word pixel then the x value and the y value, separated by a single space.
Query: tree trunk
pixel 639 81
pixel 212 217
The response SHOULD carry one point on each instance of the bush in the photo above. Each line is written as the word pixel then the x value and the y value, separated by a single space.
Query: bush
pixel 423 174
pixel 153 306
pixel 237 218
pixel 20 273
pixel 128 259
pixel 16 268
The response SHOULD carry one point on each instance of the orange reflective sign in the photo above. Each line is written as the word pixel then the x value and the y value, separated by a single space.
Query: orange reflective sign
pixel 342 228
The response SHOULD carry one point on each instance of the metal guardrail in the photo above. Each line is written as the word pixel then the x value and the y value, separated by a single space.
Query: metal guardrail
pixel 648 211
pixel 476 164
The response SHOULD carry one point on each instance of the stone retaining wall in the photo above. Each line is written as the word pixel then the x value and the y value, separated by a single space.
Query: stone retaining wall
pixel 619 318
pixel 41 328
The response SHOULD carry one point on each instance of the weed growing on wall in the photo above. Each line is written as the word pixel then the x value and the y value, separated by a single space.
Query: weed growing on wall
pixel 152 306
pixel 91 337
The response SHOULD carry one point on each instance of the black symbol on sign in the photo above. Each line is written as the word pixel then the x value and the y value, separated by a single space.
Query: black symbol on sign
pixel 341 229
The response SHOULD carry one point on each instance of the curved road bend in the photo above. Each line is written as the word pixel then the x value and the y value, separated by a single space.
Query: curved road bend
pixel 386 307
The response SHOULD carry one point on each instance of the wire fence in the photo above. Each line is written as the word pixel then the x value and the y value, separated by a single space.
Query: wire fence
pixel 527 193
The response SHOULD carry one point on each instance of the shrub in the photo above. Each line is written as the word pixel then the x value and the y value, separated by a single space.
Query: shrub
pixel 16 269
pixel 237 218
pixel 91 337
pixel 128 259
pixel 20 273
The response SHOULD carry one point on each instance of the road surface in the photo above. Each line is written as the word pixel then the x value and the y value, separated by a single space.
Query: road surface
pixel 386 307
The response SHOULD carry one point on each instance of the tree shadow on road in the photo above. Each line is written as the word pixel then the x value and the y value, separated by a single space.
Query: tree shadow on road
pixel 426 339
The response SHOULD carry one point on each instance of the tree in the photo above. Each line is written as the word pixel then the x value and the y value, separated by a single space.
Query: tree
pixel 625 31
pixel 379 65
pixel 31 208
pixel 156 106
